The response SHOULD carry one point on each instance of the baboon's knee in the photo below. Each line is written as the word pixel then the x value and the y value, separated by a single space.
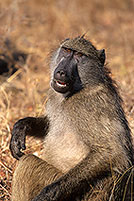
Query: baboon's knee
pixel 32 174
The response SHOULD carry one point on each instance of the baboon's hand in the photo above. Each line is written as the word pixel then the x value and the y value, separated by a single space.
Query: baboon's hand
pixel 17 142
pixel 51 192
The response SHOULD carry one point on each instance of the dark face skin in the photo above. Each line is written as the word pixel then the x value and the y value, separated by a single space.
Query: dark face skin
pixel 66 78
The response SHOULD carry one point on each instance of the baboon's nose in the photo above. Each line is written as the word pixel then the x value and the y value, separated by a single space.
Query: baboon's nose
pixel 60 74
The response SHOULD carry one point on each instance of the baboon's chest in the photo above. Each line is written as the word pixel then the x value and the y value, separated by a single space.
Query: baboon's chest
pixel 64 149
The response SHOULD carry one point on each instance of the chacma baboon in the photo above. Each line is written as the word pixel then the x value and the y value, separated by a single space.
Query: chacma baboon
pixel 88 152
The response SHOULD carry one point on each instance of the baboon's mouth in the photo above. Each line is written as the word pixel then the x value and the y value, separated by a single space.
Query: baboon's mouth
pixel 60 86
pixel 61 83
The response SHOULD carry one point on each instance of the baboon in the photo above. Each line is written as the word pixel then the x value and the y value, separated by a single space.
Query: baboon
pixel 88 152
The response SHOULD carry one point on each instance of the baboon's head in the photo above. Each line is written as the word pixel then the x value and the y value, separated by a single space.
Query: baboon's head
pixel 76 63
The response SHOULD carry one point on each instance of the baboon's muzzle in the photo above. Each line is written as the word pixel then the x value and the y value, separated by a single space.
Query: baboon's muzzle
pixel 63 78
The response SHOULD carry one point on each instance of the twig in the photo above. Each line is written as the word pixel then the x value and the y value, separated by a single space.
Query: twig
pixel 6 167
pixel 5 190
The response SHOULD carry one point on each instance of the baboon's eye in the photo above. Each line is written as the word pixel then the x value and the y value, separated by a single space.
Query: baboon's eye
pixel 67 50
pixel 79 54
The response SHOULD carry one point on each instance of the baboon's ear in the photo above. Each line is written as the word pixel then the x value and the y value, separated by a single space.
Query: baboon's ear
pixel 101 55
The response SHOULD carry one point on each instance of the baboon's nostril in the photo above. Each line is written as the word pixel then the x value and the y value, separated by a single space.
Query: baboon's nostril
pixel 62 73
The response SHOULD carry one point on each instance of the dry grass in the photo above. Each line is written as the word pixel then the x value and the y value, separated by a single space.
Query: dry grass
pixel 36 27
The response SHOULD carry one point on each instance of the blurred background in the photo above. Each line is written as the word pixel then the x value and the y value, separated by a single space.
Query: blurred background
pixel 29 31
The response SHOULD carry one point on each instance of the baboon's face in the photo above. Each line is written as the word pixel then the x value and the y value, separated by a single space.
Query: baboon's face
pixel 75 64
pixel 66 76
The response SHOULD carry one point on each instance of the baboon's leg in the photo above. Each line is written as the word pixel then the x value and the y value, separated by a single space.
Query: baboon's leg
pixel 30 176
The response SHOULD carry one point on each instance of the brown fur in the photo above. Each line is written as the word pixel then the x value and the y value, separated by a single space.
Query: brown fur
pixel 31 168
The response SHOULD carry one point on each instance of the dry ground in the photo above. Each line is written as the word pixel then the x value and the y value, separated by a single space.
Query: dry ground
pixel 35 27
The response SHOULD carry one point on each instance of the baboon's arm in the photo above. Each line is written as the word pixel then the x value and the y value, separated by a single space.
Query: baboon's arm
pixel 31 126
pixel 78 180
